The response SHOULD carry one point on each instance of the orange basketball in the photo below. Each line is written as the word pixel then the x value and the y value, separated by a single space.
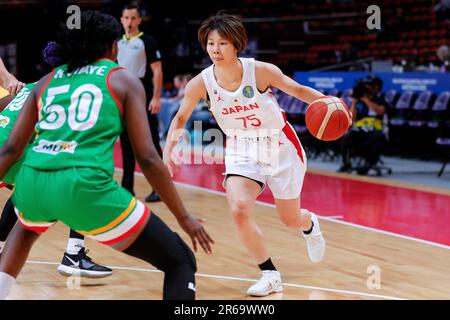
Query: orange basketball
pixel 328 118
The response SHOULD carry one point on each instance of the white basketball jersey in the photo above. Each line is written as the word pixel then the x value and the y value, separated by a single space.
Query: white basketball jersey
pixel 245 112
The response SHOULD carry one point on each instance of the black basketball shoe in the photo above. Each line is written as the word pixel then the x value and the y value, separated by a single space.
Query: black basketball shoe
pixel 152 197
pixel 81 264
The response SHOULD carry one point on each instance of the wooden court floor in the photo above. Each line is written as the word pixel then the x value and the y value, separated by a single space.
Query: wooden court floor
pixel 407 269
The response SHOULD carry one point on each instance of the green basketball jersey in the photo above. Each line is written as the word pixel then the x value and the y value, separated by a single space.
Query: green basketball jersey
pixel 79 120
pixel 7 119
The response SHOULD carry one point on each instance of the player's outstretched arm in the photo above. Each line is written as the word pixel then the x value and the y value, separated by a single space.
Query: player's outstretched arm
pixel 130 91
pixel 268 74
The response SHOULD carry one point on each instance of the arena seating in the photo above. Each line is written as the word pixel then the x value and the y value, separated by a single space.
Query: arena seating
pixel 414 120
pixel 414 32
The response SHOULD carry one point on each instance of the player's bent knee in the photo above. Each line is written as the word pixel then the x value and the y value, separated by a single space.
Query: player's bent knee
pixel 184 255
pixel 240 210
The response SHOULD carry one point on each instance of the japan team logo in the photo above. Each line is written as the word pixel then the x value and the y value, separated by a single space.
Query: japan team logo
pixel 4 121
pixel 248 92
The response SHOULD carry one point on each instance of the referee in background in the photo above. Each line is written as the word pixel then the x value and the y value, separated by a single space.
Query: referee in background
pixel 139 53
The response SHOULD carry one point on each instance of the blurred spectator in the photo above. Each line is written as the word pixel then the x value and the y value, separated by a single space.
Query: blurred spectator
pixel 201 114
pixel 366 135
pixel 442 9
pixel 170 106
pixel 443 53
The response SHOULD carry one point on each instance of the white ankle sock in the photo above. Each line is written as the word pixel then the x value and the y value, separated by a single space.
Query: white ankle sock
pixel 6 283
pixel 2 245
pixel 74 245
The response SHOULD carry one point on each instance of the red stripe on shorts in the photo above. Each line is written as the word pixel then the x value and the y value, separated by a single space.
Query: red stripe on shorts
pixel 129 232
pixel 35 229
pixel 2 184
pixel 292 137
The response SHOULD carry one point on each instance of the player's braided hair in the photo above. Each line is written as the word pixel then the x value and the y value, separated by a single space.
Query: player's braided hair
pixel 78 47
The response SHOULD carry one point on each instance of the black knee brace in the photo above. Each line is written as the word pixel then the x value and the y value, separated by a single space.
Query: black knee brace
pixel 163 248
pixel 185 254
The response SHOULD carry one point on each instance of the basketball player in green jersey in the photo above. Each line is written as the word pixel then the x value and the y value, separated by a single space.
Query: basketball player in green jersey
pixel 77 112
pixel 75 259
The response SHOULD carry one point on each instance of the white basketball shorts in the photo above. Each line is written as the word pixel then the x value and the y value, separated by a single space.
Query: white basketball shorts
pixel 279 162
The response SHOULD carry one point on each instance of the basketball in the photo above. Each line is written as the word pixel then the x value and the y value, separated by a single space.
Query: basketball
pixel 327 118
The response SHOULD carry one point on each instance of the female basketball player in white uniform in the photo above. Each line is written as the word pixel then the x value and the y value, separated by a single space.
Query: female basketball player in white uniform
pixel 241 100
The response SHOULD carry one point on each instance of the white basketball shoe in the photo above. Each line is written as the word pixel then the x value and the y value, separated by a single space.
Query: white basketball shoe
pixel 314 241
pixel 270 282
